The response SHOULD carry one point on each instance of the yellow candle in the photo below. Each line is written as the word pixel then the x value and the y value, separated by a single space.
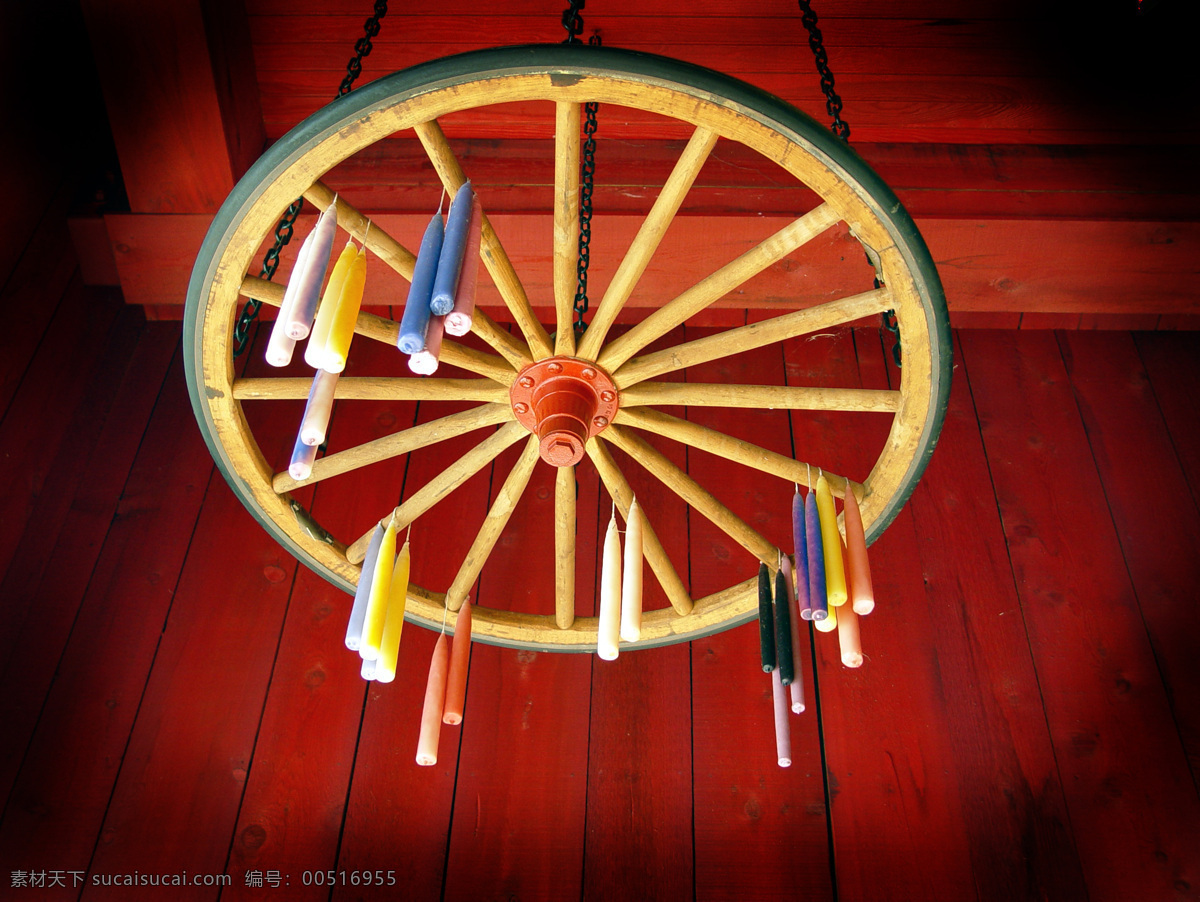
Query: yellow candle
pixel 862 594
pixel 631 586
pixel 341 330
pixel 377 603
pixel 460 658
pixel 835 574
pixel 389 645
pixel 435 700
pixel 829 624
pixel 849 639
pixel 318 338
pixel 608 636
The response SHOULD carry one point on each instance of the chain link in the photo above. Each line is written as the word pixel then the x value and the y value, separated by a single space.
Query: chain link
pixel 287 223
pixel 833 103
pixel 573 22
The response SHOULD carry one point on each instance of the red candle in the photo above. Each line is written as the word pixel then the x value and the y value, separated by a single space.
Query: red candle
pixel 862 595
pixel 435 702
pixel 460 657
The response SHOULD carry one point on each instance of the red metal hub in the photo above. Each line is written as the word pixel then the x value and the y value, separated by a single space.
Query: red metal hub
pixel 565 401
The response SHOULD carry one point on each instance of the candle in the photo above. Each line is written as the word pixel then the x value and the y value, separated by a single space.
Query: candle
pixel 610 594
pixel 816 559
pixel 341 330
pixel 302 460
pixel 425 361
pixel 783 730
pixel 320 404
pixel 849 639
pixel 367 670
pixel 796 689
pixel 280 347
pixel 460 658
pixel 435 700
pixel 454 247
pixel 318 338
pixel 631 587
pixel 377 601
pixel 286 318
pixel 766 622
pixel 862 595
pixel 831 541
pixel 358 612
pixel 458 320
pixel 829 624
pixel 415 321
pixel 309 272
pixel 801 546
pixel 393 623
pixel 786 664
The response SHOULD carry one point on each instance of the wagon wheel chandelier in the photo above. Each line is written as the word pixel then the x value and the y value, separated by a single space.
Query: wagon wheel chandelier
pixel 566 397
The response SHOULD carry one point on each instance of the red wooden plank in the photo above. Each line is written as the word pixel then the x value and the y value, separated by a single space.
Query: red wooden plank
pixel 761 830
pixel 978 319
pixel 1179 321
pixel 1049 320
pixel 1120 322
pixel 898 820
pixel 1157 521
pixel 1117 746
pixel 639 797
pixel 57 806
pixel 1014 812
pixel 1170 363
pixel 299 780
pixel 49 575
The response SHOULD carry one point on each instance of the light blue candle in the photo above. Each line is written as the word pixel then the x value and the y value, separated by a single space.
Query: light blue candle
pixel 818 601
pixel 358 613
pixel 801 545
pixel 450 261
pixel 415 321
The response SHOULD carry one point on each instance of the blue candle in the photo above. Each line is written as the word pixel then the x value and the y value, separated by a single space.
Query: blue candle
pixel 358 613
pixel 817 599
pixel 801 545
pixel 766 620
pixel 450 261
pixel 783 631
pixel 415 321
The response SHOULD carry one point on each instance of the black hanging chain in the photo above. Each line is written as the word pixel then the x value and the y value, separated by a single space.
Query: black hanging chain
pixel 833 104
pixel 573 22
pixel 287 223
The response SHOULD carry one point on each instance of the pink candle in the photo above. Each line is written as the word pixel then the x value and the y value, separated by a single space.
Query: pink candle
pixel 425 361
pixel 796 687
pixel 458 320
pixel 862 595
pixel 460 658
pixel 320 405
pixel 435 701
pixel 783 731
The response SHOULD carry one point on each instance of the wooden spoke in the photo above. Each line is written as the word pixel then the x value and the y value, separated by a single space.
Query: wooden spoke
pixel 566 225
pixel 493 525
pixel 646 242
pixel 719 284
pixel 388 331
pixel 730 448
pixel 772 397
pixel 373 388
pixel 755 335
pixel 693 493
pixel 398 443
pixel 564 547
pixel 379 242
pixel 618 487
pixel 443 484
pixel 494 257
pixel 510 348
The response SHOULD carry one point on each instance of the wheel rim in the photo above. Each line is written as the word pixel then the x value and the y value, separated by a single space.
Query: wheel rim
pixel 718 108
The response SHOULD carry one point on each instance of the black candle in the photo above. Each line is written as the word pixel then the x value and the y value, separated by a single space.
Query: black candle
pixel 783 631
pixel 766 619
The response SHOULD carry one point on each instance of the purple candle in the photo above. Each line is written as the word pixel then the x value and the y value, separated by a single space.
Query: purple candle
pixel 415 321
pixel 801 546
pixel 817 599
pixel 309 273
pixel 450 261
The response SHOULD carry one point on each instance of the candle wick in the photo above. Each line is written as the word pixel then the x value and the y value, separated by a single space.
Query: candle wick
pixel 365 234
pixel 445 613
pixel 441 200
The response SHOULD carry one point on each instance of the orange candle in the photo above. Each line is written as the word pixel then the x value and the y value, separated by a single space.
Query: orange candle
pixel 460 658
pixel 848 637
pixel 435 701
pixel 862 594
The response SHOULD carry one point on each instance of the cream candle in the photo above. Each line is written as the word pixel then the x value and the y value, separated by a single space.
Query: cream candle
pixel 279 346
pixel 831 542
pixel 460 659
pixel 862 594
pixel 458 320
pixel 358 612
pixel 318 409
pixel 607 639
pixel 631 586
pixel 435 701
pixel 783 730
pixel 377 602
pixel 318 338
pixel 341 330
pixel 393 624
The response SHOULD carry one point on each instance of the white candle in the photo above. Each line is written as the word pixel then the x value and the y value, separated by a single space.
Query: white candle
pixel 631 585
pixel 610 594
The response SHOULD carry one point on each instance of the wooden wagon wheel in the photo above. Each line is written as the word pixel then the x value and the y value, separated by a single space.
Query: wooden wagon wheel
pixel 715 108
